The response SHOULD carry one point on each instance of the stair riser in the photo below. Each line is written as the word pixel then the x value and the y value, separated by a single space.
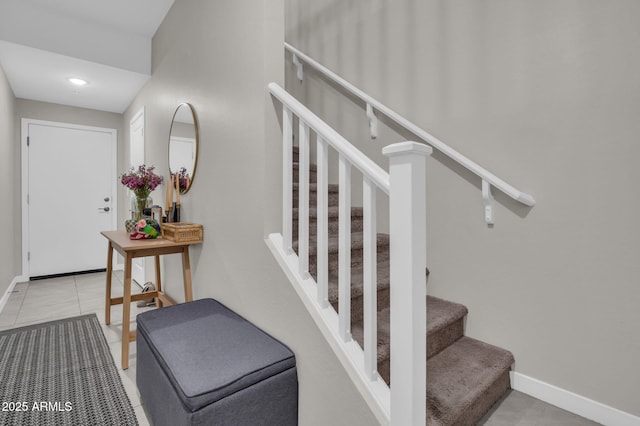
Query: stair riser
pixel 481 407
pixel 441 339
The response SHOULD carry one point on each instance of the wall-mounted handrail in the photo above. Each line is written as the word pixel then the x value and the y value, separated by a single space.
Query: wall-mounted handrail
pixel 436 143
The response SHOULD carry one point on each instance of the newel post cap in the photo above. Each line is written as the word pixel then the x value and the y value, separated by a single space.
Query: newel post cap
pixel 408 147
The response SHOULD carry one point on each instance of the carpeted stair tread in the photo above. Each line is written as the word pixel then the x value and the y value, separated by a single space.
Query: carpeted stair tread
pixel 442 316
pixel 465 377
pixel 465 380
pixel 357 242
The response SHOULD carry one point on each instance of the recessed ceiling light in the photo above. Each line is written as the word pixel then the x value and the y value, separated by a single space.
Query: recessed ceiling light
pixel 77 81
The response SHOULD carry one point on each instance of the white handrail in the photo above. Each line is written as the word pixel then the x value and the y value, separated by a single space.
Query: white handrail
pixel 436 143
pixel 368 168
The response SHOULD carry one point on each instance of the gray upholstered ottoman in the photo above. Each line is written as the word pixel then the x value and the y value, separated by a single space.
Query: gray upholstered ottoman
pixel 199 363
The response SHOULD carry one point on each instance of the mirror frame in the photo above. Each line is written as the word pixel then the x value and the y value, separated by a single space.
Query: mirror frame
pixel 197 137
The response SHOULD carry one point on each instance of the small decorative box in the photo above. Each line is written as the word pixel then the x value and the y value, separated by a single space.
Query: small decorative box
pixel 182 232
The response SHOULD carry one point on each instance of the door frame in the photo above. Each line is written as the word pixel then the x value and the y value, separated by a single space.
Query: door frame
pixel 138 265
pixel 25 178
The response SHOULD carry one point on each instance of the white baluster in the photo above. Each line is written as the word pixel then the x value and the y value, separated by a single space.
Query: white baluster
pixel 303 200
pixel 322 222
pixel 407 224
pixel 287 179
pixel 370 280
pixel 344 249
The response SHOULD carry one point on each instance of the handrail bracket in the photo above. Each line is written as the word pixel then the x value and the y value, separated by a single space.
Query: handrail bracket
pixel 373 121
pixel 298 64
pixel 489 202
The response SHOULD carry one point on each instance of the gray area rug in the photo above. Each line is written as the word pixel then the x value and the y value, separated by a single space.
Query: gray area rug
pixel 61 373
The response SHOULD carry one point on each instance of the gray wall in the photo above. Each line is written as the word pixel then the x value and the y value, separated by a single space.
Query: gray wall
pixel 545 94
pixel 9 181
pixel 219 56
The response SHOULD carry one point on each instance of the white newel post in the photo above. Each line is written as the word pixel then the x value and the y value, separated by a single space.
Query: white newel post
pixel 407 229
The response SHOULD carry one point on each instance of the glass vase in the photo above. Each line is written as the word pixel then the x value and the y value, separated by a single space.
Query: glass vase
pixel 141 203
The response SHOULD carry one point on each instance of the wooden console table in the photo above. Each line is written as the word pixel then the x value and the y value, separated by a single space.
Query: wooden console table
pixel 130 249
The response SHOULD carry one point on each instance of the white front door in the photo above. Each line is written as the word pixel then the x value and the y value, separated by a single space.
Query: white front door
pixel 70 188
pixel 136 136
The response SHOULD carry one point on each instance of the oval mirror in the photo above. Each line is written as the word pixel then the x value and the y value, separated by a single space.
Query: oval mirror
pixel 183 145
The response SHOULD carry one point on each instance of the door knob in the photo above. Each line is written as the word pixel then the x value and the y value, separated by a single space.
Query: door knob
pixel 104 209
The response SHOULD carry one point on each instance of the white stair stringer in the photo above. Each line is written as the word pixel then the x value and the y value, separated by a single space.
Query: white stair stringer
pixel 375 392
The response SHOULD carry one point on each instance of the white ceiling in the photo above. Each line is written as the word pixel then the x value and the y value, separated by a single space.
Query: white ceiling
pixel 107 43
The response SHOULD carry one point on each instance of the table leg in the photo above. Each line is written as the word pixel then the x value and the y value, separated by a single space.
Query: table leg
pixel 158 281
pixel 126 306
pixel 186 270
pixel 107 308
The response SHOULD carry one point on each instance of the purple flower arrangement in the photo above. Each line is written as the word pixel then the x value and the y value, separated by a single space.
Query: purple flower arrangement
pixel 141 181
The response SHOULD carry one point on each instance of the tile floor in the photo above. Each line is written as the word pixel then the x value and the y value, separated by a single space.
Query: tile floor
pixel 46 300
pixel 518 409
